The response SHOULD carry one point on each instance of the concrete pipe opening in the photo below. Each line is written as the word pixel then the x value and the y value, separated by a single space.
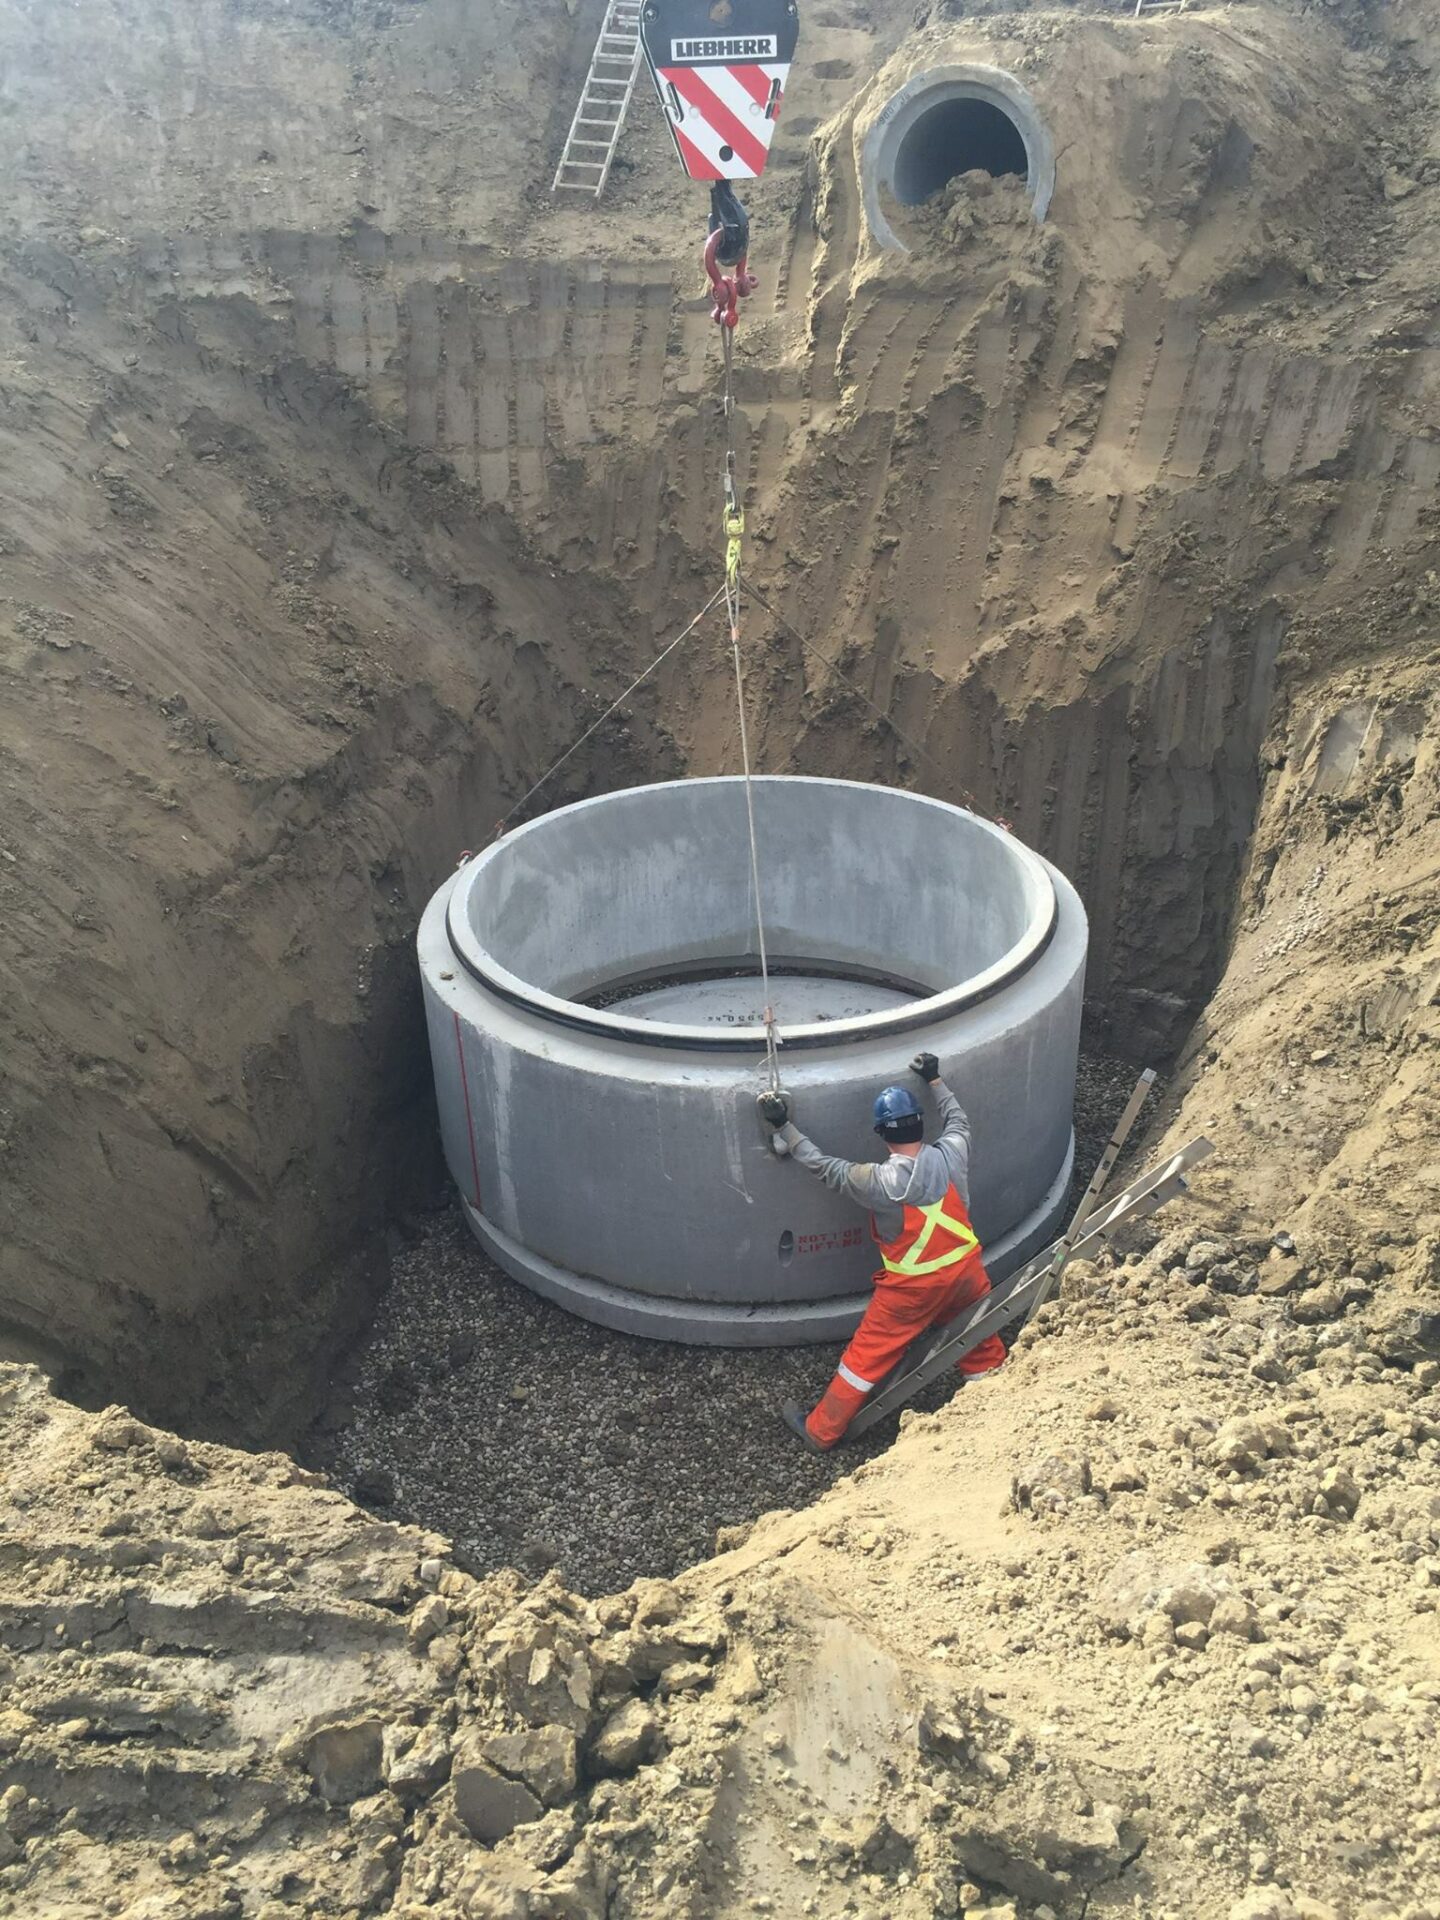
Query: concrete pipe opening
pixel 595 1013
pixel 956 136
pixel 947 122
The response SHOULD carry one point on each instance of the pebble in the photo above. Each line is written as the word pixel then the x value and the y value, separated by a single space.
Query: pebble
pixel 1339 1491
pixel 432 1616
pixel 1204 1254
pixel 628 1737
pixel 118 1429
pixel 1233 1615
pixel 1126 1476
pixel 1326 1302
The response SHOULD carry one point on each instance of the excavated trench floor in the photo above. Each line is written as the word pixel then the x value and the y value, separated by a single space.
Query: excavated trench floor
pixel 534 1439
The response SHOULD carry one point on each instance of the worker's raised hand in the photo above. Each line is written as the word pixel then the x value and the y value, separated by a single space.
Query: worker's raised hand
pixel 774 1108
pixel 927 1065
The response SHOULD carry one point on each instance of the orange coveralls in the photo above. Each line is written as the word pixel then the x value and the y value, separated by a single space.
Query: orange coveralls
pixel 932 1269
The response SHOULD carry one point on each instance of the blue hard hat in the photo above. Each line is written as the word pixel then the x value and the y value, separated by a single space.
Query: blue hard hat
pixel 895 1103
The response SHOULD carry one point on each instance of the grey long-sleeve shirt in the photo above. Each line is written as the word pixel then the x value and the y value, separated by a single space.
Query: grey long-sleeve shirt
pixel 886 1187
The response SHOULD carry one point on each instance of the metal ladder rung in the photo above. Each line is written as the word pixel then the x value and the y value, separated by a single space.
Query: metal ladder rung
pixel 604 99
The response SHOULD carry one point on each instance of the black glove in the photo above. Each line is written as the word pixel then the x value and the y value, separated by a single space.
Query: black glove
pixel 927 1065
pixel 774 1108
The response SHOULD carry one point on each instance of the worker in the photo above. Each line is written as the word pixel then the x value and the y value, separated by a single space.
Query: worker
pixel 931 1269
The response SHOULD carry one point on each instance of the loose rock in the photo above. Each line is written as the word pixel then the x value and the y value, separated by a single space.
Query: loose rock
pixel 628 1738
pixel 490 1804
pixel 546 1760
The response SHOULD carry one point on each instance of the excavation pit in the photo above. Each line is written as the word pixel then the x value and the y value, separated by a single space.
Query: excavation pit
pixel 532 1439
pixel 592 991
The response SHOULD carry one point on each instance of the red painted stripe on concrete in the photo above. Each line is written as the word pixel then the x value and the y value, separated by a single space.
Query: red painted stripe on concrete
pixel 469 1117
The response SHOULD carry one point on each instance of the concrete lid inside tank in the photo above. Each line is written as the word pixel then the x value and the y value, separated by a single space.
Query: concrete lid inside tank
pixel 653 881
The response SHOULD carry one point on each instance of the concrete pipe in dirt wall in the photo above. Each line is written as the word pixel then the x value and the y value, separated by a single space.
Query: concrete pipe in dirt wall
pixel 596 1027
pixel 948 121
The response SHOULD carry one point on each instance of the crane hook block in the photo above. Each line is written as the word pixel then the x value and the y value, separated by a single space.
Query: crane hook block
pixel 720 68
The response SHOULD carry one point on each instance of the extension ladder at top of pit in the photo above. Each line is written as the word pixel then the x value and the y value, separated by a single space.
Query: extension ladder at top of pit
pixel 604 102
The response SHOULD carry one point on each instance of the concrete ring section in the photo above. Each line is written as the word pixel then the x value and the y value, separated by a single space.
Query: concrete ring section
pixel 595 1017
pixel 938 123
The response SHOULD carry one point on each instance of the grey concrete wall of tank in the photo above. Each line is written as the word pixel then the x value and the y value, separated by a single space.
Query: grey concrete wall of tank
pixel 616 1162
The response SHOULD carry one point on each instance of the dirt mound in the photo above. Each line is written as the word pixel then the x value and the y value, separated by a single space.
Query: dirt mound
pixel 1156 1602
pixel 971 215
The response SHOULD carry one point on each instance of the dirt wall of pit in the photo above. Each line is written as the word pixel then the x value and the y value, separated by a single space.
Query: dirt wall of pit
pixel 267 673
pixel 1051 495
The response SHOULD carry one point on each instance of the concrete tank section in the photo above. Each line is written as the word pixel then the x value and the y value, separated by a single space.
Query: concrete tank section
pixel 595 1020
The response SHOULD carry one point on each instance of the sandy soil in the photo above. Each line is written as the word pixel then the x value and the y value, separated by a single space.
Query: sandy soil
pixel 344 477
pixel 347 476
pixel 1144 1624
pixel 348 472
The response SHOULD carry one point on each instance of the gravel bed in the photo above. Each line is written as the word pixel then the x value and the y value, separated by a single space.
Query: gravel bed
pixel 534 1439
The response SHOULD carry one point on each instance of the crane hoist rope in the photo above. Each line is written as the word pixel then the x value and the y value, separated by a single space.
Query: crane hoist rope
pixel 720 68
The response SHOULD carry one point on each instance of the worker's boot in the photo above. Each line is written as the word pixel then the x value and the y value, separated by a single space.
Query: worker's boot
pixel 793 1414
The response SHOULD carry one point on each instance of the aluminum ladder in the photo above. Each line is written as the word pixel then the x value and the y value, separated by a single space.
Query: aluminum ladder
pixel 1023 1293
pixel 604 100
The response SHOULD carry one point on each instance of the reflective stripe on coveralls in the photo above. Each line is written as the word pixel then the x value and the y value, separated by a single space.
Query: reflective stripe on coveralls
pixel 909 1254
pixel 895 1317
pixel 918 1289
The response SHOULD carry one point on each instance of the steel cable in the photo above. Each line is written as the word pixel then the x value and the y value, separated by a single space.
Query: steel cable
pixel 734 527
pixel 576 745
